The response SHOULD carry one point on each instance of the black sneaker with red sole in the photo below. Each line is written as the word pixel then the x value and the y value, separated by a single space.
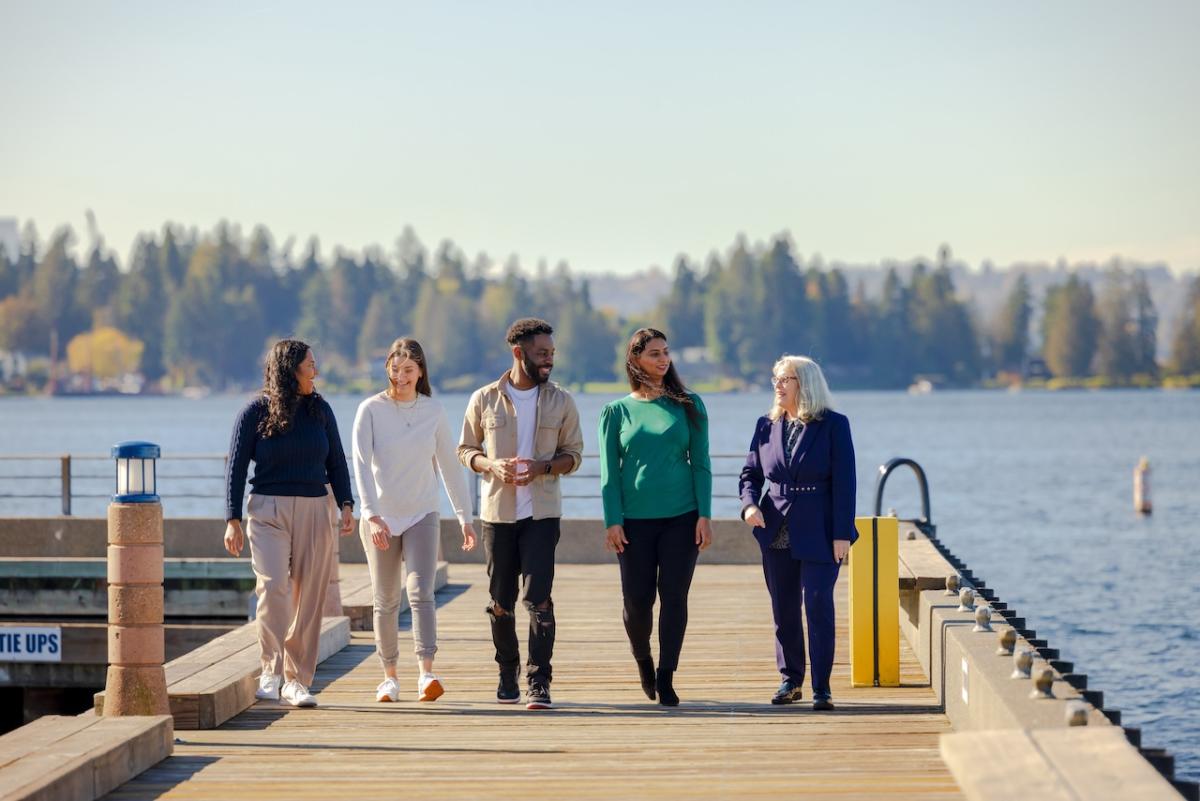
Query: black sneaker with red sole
pixel 538 697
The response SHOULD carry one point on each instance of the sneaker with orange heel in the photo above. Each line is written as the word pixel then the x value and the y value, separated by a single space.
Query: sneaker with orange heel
pixel 429 688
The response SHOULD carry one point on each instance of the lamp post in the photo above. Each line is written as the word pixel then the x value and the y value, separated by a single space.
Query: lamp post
pixel 136 683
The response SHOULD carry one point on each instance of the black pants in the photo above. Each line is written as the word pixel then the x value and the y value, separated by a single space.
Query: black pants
pixel 520 562
pixel 661 555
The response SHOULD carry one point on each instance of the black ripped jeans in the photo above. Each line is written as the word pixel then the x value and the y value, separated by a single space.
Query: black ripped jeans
pixel 661 555
pixel 520 563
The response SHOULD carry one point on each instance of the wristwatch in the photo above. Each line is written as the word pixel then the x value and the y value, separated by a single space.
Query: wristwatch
pixel 549 466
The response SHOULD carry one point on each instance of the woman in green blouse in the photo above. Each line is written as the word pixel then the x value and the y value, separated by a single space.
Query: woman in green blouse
pixel 656 483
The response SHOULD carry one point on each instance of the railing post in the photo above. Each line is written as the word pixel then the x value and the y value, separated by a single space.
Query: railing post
pixel 65 462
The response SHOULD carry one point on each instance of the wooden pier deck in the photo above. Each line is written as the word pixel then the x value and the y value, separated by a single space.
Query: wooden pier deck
pixel 603 740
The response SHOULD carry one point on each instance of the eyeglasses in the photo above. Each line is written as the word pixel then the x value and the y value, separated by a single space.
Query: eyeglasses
pixel 776 380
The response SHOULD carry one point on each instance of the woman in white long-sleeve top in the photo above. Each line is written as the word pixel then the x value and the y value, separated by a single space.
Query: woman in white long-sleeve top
pixel 402 440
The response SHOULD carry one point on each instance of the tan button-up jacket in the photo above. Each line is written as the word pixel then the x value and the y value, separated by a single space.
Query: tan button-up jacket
pixel 490 428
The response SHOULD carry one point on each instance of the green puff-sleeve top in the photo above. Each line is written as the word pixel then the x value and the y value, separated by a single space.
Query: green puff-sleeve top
pixel 653 460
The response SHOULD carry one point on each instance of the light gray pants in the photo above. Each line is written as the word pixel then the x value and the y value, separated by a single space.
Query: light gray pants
pixel 417 547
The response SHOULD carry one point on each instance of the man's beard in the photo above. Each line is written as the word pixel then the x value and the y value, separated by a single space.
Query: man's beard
pixel 533 370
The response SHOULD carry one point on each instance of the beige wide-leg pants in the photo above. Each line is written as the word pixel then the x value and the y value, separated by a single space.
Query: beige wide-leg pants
pixel 292 543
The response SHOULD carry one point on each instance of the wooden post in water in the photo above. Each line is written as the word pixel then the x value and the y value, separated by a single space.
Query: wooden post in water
pixel 1141 487
pixel 136 683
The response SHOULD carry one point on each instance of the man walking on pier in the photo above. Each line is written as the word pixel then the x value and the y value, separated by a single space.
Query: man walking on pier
pixel 521 432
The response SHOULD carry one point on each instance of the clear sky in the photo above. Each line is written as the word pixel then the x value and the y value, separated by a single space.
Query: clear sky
pixel 615 135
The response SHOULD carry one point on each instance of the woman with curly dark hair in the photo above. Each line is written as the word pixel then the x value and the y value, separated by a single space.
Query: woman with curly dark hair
pixel 656 484
pixel 290 434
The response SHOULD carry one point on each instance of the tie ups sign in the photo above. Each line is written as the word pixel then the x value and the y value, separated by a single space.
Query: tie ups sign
pixel 30 644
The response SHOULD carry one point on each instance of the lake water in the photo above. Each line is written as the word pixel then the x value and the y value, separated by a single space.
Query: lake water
pixel 1033 490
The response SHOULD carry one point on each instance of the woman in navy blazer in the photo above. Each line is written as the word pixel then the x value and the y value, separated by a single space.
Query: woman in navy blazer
pixel 797 490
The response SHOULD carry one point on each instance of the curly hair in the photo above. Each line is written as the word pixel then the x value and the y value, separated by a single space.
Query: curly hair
pixel 525 329
pixel 282 390
pixel 672 385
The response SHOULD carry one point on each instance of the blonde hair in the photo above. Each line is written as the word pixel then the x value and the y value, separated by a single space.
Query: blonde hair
pixel 813 397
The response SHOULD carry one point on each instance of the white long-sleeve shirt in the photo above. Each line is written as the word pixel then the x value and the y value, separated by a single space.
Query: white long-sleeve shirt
pixel 399 450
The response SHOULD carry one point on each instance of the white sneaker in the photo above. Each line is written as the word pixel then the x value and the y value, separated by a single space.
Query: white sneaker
pixel 388 690
pixel 429 688
pixel 297 694
pixel 268 687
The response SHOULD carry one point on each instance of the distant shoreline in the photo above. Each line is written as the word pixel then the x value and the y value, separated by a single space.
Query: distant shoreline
pixel 1055 386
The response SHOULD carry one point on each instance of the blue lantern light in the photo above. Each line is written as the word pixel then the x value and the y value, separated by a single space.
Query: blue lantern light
pixel 137 472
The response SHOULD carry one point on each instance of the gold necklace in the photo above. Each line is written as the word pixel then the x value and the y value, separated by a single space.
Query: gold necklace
pixel 405 411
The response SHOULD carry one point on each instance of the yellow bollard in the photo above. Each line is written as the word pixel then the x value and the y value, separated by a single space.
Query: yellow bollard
pixel 875 603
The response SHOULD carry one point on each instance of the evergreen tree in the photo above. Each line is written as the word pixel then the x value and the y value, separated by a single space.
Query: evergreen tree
pixel 945 338
pixel 584 341
pixel 733 313
pixel 316 309
pixel 142 303
pixel 8 275
pixel 382 324
pixel 1116 350
pixel 501 303
pixel 347 299
pixel 96 291
pixel 1145 326
pixel 446 325
pixel 196 348
pixel 173 263
pixel 53 288
pixel 844 346
pixel 786 314
pixel 682 310
pixel 1010 332
pixel 891 359
pixel 22 328
pixel 29 255
pixel 1185 347
pixel 1070 328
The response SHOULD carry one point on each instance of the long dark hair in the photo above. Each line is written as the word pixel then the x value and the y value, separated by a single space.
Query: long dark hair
pixel 672 385
pixel 282 389
pixel 408 348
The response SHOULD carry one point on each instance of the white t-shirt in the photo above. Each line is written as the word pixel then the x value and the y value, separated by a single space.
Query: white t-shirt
pixel 525 401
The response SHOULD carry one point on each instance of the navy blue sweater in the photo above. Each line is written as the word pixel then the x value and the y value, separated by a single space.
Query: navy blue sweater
pixel 299 462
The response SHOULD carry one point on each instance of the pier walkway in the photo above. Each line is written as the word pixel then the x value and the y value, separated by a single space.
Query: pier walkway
pixel 603 740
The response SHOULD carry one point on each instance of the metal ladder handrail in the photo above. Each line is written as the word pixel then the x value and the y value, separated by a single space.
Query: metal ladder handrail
pixel 925 522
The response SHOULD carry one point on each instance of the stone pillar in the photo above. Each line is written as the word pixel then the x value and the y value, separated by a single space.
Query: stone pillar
pixel 136 683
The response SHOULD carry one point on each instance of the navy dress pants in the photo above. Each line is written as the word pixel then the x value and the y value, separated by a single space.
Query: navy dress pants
pixel 793 583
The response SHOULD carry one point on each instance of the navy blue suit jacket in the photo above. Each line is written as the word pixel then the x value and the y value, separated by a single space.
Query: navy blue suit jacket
pixel 814 491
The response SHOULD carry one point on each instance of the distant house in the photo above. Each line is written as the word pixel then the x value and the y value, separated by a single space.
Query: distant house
pixel 12 364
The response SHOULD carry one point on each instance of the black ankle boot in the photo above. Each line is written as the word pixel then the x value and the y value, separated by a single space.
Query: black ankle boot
pixel 666 693
pixel 646 674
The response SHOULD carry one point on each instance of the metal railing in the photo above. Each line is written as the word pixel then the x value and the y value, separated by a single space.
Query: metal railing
pixel 70 477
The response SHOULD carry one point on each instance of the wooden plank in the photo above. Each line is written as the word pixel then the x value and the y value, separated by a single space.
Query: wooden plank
pixel 214 652
pixel 928 567
pixel 224 689
pixel 604 740
pixel 41 733
pixel 90 762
